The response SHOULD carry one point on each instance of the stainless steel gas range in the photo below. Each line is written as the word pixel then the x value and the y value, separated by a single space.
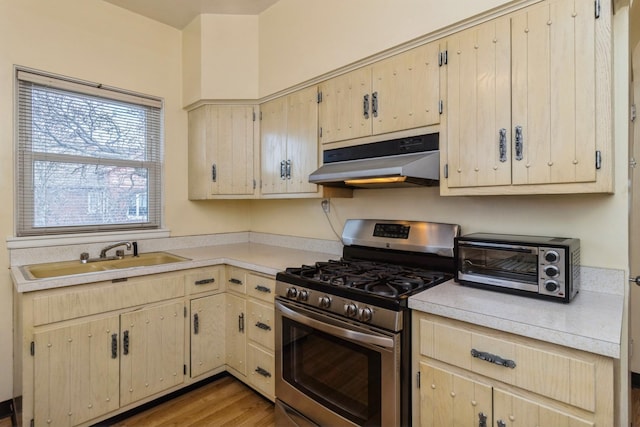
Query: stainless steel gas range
pixel 343 326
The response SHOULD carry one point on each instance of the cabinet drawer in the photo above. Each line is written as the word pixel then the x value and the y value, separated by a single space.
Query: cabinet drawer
pixel 261 370
pixel 261 287
pixel 69 303
pixel 236 280
pixel 261 324
pixel 202 280
pixel 563 374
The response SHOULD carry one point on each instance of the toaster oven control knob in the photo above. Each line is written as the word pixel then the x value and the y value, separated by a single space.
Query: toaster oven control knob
pixel 303 295
pixel 350 310
pixel 365 314
pixel 292 293
pixel 324 302
pixel 551 285
pixel 551 256
pixel 551 271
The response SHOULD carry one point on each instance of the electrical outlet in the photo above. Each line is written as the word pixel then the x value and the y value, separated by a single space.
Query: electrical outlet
pixel 325 205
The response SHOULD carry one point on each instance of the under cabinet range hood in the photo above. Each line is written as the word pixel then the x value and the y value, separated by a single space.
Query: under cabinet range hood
pixel 403 162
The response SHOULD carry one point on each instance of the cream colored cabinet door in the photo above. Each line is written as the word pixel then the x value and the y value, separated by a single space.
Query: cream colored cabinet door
pixel 221 151
pixel 77 371
pixel 405 90
pixel 152 353
pixel 235 333
pixel 289 146
pixel 477 125
pixel 207 334
pixel 344 110
pixel 554 93
pixel 449 400
pixel 514 411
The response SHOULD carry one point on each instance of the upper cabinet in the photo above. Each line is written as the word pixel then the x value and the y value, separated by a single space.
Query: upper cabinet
pixel 289 144
pixel 397 93
pixel 222 147
pixel 527 103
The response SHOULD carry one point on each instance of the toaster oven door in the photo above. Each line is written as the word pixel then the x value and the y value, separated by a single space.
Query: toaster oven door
pixel 510 266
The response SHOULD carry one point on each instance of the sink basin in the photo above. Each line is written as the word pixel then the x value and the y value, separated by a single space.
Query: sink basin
pixel 68 268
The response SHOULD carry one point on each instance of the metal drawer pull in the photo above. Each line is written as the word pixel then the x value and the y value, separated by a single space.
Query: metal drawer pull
pixel 288 169
pixel 214 173
pixel 114 346
pixel 263 326
pixel 263 372
pixel 519 143
pixel 204 281
pixel 365 106
pixel 374 104
pixel 196 324
pixel 493 358
pixel 235 281
pixel 503 145
pixel 264 289
pixel 283 169
pixel 241 322
pixel 125 342
pixel 482 420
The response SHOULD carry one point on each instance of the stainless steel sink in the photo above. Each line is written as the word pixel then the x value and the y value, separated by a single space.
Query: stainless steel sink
pixel 69 268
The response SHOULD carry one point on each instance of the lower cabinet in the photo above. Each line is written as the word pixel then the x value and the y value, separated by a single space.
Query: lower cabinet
pixel 469 375
pixel 208 322
pixel 235 335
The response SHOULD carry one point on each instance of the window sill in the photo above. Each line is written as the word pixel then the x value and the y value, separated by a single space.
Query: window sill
pixel 74 239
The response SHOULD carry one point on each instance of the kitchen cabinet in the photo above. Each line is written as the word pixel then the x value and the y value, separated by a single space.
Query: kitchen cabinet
pixel 222 152
pixel 208 329
pixel 289 144
pixel 250 336
pixel 467 372
pixel 527 102
pixel 394 94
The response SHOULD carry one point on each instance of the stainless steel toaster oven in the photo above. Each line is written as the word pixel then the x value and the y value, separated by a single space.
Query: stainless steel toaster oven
pixel 541 267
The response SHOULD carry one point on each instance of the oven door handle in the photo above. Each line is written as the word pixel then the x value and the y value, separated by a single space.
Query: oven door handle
pixel 337 331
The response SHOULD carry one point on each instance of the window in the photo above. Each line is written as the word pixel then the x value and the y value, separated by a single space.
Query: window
pixel 89 158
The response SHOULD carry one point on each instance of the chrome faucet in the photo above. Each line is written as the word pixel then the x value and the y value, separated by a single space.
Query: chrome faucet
pixel 103 252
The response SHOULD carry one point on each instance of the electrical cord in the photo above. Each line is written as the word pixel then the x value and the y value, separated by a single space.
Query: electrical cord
pixel 324 204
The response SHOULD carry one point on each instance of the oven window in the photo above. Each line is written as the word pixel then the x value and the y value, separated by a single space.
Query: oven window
pixel 342 376
pixel 517 266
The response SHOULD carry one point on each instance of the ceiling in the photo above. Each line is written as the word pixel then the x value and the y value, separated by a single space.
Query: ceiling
pixel 178 13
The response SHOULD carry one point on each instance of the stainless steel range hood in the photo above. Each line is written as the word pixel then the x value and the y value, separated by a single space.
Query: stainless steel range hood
pixel 412 161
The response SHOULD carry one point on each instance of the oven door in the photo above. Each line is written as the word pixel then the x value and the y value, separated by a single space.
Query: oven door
pixel 334 372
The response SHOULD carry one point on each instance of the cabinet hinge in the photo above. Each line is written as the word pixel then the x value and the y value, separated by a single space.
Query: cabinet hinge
pixel 32 423
pixel 320 132
pixel 254 184
pixel 632 113
pixel 185 311
pixel 319 97
pixel 598 159
pixel 596 5
pixel 418 378
pixel 443 58
pixel 184 369
pixel 254 116
pixel 441 106
pixel 446 171
pixel 32 348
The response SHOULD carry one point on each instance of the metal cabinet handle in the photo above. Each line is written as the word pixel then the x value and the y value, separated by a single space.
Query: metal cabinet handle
pixel 263 326
pixel 519 143
pixel 265 289
pixel 502 145
pixel 125 342
pixel 114 346
pixel 288 169
pixel 241 322
pixel 263 372
pixel 365 106
pixel 482 420
pixel 214 173
pixel 235 281
pixel 374 104
pixel 196 324
pixel 492 358
pixel 204 281
pixel 283 169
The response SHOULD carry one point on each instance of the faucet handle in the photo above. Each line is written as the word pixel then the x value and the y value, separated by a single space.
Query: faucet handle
pixel 84 257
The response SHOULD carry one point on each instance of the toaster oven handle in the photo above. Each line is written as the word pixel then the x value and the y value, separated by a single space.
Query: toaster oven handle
pixel 499 246
pixel 308 320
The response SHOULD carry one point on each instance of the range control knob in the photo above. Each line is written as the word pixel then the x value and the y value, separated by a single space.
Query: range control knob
pixel 292 293
pixel 551 271
pixel 551 285
pixel 365 314
pixel 303 295
pixel 551 256
pixel 350 310
pixel 324 302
